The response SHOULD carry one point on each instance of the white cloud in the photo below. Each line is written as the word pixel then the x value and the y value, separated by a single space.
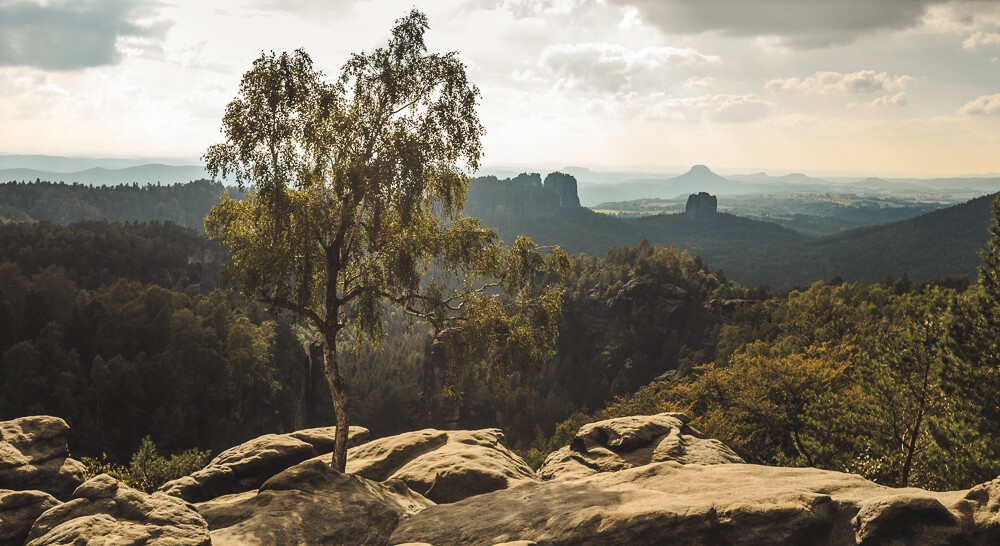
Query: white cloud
pixel 614 67
pixel 983 105
pixel 70 35
pixel 719 108
pixel 703 81
pixel 837 83
pixel 981 39
pixel 899 99
pixel 960 16
pixel 800 24
pixel 535 8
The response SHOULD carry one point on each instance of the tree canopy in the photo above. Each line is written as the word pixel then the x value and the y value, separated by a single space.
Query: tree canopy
pixel 357 187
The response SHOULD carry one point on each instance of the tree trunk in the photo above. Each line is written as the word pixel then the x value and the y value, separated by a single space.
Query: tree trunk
pixel 336 383
pixel 911 450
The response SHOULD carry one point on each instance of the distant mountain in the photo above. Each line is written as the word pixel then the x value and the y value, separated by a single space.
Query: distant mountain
pixel 60 164
pixel 99 176
pixel 797 181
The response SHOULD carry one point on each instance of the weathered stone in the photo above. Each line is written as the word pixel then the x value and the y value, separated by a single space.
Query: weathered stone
pixel 311 503
pixel 33 455
pixel 627 442
pixel 701 205
pixel 443 466
pixel 671 503
pixel 105 511
pixel 18 510
pixel 906 518
pixel 379 459
pixel 248 465
pixel 562 188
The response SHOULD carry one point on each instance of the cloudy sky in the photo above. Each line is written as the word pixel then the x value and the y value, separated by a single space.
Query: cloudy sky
pixel 847 86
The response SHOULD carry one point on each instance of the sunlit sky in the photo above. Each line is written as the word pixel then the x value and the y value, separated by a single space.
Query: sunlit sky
pixel 847 86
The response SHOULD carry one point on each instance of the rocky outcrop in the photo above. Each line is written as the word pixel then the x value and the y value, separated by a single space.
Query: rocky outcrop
pixel 731 504
pixel 18 510
pixel 562 188
pixel 246 466
pixel 311 503
pixel 627 442
pixel 104 511
pixel 444 466
pixel 632 480
pixel 33 456
pixel 701 205
pixel 523 195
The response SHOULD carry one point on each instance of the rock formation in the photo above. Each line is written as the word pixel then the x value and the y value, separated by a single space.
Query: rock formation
pixel 726 504
pixel 563 189
pixel 33 455
pixel 627 442
pixel 246 466
pixel 442 466
pixel 104 511
pixel 632 480
pixel 18 511
pixel 310 503
pixel 523 195
pixel 701 205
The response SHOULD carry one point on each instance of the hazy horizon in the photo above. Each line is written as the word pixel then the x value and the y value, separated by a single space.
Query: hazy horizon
pixel 898 88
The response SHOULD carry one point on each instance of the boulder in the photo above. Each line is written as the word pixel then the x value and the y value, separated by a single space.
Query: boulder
pixel 18 510
pixel 311 503
pixel 33 456
pixel 246 466
pixel 444 466
pixel 731 504
pixel 105 511
pixel 627 442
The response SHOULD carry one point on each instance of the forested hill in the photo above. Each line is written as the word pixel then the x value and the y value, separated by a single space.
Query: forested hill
pixel 182 204
pixel 96 253
pixel 941 243
pixel 930 246
pixel 937 244
pixel 526 206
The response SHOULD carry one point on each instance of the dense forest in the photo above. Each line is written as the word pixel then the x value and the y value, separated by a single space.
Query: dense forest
pixel 128 331
pixel 61 203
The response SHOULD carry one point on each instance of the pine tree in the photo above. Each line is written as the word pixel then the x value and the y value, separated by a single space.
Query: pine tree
pixel 973 377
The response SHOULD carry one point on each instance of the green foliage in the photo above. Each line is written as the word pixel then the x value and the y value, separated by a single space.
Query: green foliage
pixel 124 360
pixel 358 186
pixel 849 377
pixel 60 203
pixel 973 379
pixel 95 253
pixel 148 469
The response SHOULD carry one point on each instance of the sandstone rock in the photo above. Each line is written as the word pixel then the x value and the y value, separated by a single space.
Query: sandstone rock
pixel 907 519
pixel 104 511
pixel 33 455
pixel 987 518
pixel 379 459
pixel 731 504
pixel 311 503
pixel 563 189
pixel 248 465
pixel 18 510
pixel 627 442
pixel 701 205
pixel 442 466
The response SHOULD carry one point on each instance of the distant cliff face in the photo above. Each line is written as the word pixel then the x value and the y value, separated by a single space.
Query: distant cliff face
pixel 523 194
pixel 702 205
